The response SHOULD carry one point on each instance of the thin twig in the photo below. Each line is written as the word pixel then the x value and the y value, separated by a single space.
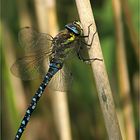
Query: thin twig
pixel 100 74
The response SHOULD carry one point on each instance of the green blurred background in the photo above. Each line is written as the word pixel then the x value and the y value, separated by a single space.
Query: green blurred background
pixel 85 114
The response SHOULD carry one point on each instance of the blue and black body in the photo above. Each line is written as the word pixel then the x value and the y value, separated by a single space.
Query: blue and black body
pixel 54 67
pixel 61 46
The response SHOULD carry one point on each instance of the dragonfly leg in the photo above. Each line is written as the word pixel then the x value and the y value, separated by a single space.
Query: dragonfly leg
pixel 88 32
pixel 89 45
pixel 87 36
pixel 87 60
pixel 51 37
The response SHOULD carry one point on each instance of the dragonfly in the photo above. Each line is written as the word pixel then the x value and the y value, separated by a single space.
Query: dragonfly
pixel 42 47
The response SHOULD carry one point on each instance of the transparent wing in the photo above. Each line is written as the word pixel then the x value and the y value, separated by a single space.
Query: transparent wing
pixel 61 81
pixel 30 67
pixel 37 49
pixel 31 40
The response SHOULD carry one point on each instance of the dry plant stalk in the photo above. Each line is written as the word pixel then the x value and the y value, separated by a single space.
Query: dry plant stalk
pixel 46 14
pixel 123 73
pixel 128 19
pixel 100 74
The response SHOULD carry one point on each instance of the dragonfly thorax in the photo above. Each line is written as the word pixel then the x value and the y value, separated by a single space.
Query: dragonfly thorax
pixel 63 43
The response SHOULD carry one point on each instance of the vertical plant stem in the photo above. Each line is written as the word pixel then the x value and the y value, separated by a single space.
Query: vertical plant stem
pixel 132 32
pixel 24 17
pixel 59 99
pixel 123 73
pixel 99 71
pixel 24 20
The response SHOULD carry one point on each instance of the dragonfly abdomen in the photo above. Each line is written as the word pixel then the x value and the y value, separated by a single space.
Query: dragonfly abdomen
pixel 53 68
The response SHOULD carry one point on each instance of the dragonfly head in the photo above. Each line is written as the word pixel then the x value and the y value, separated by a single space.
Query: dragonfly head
pixel 75 27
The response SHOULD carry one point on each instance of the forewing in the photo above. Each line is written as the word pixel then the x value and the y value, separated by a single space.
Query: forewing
pixel 37 49
pixel 31 40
